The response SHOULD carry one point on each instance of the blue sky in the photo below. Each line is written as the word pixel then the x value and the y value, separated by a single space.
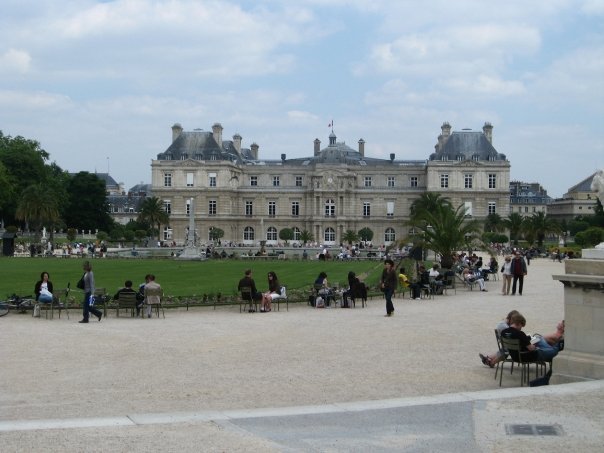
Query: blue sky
pixel 100 83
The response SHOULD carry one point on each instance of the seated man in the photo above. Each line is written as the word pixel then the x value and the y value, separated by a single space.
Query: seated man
pixel 248 282
pixel 538 349
pixel 128 289
pixel 436 279
pixel 423 281
pixel 153 294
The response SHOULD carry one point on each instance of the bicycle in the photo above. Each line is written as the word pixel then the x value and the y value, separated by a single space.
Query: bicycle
pixel 15 302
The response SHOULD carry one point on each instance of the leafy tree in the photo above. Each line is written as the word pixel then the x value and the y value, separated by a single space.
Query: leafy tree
pixel 442 228
pixel 117 232
pixel 72 233
pixel 590 237
pixel 350 237
pixel 216 233
pixel 140 235
pixel 37 206
pixel 102 236
pixel 6 187
pixel 286 234
pixel 497 238
pixel 87 207
pixel 128 235
pixel 306 236
pixel 152 211
pixel 494 223
pixel 514 223
pixel 575 226
pixel 539 225
pixel 365 234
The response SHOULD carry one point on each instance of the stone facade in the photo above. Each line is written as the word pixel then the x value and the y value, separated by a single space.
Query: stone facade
pixel 527 199
pixel 335 189
pixel 580 200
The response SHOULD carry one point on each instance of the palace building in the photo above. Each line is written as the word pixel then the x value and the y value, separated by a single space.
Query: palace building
pixel 335 189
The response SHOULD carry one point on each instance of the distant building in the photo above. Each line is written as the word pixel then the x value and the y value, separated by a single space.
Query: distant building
pixel 580 200
pixel 334 189
pixel 527 199
pixel 125 207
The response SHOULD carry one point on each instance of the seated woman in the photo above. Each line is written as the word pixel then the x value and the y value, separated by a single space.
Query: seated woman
pixel 473 277
pixel 356 289
pixel 322 288
pixel 43 289
pixel 274 291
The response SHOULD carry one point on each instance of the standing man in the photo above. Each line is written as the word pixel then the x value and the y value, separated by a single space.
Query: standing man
pixel 388 285
pixel 518 272
pixel 88 293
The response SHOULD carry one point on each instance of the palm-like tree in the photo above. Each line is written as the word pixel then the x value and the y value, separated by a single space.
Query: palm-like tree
pixel 350 237
pixel 442 228
pixel 38 206
pixel 515 224
pixel 494 223
pixel 539 225
pixel 306 236
pixel 153 212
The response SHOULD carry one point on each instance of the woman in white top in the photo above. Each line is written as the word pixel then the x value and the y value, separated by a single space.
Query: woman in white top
pixel 507 275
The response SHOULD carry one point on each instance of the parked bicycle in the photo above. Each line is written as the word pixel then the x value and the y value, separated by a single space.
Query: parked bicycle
pixel 20 303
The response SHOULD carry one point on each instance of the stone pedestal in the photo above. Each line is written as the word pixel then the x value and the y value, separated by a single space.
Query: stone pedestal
pixel 583 355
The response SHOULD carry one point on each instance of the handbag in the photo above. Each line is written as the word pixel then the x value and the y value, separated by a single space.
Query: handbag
pixel 81 284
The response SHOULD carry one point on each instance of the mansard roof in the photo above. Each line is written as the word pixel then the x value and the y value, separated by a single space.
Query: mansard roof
pixel 467 145
pixel 199 145
pixel 583 186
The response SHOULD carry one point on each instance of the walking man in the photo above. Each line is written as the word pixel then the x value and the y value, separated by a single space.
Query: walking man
pixel 388 285
pixel 518 272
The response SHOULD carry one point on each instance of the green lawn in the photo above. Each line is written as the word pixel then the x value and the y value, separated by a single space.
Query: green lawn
pixel 178 278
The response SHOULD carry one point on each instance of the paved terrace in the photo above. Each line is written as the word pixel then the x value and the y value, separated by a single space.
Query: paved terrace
pixel 303 380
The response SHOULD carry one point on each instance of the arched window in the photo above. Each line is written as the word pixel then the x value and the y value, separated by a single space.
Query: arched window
pixel 389 235
pixel 248 234
pixel 296 233
pixel 271 234
pixel 330 208
pixel 330 235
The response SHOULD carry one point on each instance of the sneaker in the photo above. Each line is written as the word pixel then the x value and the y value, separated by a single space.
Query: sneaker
pixel 561 345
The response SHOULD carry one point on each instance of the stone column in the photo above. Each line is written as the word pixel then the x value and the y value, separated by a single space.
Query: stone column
pixel 583 354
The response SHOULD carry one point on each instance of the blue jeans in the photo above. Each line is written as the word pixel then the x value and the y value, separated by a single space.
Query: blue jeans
pixel 388 295
pixel 88 309
pixel 546 351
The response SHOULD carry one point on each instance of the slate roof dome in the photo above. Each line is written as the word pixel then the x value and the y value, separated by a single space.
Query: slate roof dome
pixel 466 145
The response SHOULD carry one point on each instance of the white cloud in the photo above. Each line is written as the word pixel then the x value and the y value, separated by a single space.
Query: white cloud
pixel 298 115
pixel 14 60
pixel 26 101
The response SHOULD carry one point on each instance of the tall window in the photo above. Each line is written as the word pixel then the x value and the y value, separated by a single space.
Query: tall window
pixel 167 179
pixel 297 233
pixel 253 180
pixel 168 206
pixel 295 208
pixel 492 181
pixel 444 181
pixel 367 181
pixel 272 208
pixel 330 208
pixel 391 181
pixel 271 234
pixel 248 234
pixel 366 209
pixel 190 179
pixel 212 207
pixel 249 211
pixel 330 235
pixel 212 179
pixel 468 179
pixel 413 181
pixel 389 235
pixel 390 209
pixel 275 181
pixel 167 233
pixel 492 207
pixel 468 208
pixel 298 181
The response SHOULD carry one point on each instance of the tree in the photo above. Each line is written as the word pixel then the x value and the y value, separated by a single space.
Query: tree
pixel 590 237
pixel 539 225
pixel 286 234
pixel 365 234
pixel 515 224
pixel 6 188
pixel 152 211
pixel 216 233
pixel 37 206
pixel 442 228
pixel 72 233
pixel 87 207
pixel 350 237
pixel 306 236
pixel 494 223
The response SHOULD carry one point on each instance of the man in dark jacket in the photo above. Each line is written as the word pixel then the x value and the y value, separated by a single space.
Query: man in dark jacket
pixel 518 272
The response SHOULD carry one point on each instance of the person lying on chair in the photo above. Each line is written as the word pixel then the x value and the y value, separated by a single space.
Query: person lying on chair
pixel 537 348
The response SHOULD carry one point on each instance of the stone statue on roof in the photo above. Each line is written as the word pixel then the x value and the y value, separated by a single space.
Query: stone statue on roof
pixel 597 185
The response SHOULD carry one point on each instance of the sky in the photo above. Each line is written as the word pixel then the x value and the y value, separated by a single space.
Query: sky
pixel 99 84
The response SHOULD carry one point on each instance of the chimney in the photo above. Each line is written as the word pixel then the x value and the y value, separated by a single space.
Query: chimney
pixel 488 131
pixel 317 146
pixel 217 133
pixel 237 142
pixel 254 148
pixel 362 147
pixel 176 131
